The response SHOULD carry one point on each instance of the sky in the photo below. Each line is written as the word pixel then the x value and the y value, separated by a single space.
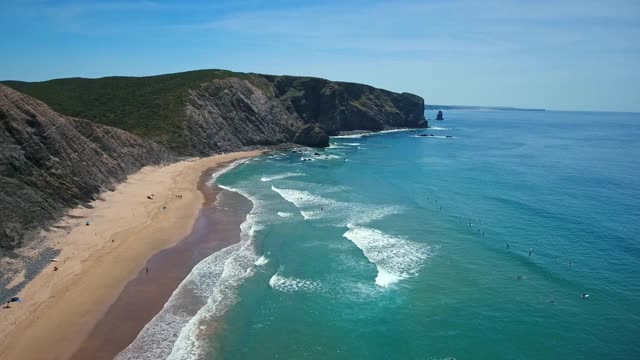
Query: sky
pixel 559 55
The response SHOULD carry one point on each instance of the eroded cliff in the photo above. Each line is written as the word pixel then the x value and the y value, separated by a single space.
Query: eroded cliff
pixel 50 162
pixel 208 111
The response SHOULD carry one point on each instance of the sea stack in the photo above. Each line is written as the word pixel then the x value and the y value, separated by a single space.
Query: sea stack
pixel 439 116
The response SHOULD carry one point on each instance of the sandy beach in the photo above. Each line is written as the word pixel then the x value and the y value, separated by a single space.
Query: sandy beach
pixel 217 226
pixel 60 308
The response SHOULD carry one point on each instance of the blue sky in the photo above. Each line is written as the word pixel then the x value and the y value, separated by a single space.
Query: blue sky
pixel 578 55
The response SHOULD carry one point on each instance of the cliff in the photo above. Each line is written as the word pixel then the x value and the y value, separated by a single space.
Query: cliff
pixel 50 162
pixel 208 111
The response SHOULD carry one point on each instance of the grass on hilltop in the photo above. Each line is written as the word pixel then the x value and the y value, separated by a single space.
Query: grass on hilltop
pixel 151 107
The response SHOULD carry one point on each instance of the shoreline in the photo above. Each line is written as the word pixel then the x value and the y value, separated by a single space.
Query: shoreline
pixel 96 262
pixel 145 295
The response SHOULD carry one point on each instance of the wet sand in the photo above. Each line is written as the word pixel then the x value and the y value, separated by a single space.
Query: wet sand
pixel 145 295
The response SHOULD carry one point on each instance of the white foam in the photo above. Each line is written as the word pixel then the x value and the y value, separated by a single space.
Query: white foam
pixel 292 284
pixel 280 176
pixel 284 214
pixel 330 157
pixel 352 144
pixel 178 331
pixel 225 170
pixel 435 137
pixel 261 261
pixel 437 128
pixel 314 207
pixel 219 198
pixel 191 342
pixel 395 258
pixel 357 136
pixel 156 339
pixel 301 198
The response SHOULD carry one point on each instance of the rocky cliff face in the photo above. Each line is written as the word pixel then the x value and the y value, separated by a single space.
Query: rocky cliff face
pixel 228 114
pixel 49 162
pixel 209 111
pixel 343 106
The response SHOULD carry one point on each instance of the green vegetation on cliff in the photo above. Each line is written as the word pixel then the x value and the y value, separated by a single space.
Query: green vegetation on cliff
pixel 56 153
pixel 206 111
pixel 151 107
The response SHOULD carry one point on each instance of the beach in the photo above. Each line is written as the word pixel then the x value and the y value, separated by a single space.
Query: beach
pixel 154 209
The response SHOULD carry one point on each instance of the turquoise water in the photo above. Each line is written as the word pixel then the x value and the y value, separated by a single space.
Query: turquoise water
pixel 396 246
pixel 562 183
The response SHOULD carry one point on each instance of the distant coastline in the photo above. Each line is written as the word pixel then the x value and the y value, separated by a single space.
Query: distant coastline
pixel 471 107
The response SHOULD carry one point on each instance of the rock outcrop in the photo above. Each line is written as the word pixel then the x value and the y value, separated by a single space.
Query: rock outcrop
pixel 313 135
pixel 341 106
pixel 232 113
pixel 439 116
pixel 50 162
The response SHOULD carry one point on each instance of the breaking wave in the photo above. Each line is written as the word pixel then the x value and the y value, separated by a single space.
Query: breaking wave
pixel 315 207
pixel 280 176
pixel 291 284
pixel 395 258
pixel 179 330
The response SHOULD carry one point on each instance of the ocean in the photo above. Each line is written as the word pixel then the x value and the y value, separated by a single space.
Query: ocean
pixel 505 235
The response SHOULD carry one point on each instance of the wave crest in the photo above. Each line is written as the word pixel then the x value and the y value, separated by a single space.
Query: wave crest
pixel 395 258
pixel 291 284
pixel 279 176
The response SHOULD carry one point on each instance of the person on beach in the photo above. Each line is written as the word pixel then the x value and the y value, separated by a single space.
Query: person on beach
pixel 13 299
pixel 147 271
